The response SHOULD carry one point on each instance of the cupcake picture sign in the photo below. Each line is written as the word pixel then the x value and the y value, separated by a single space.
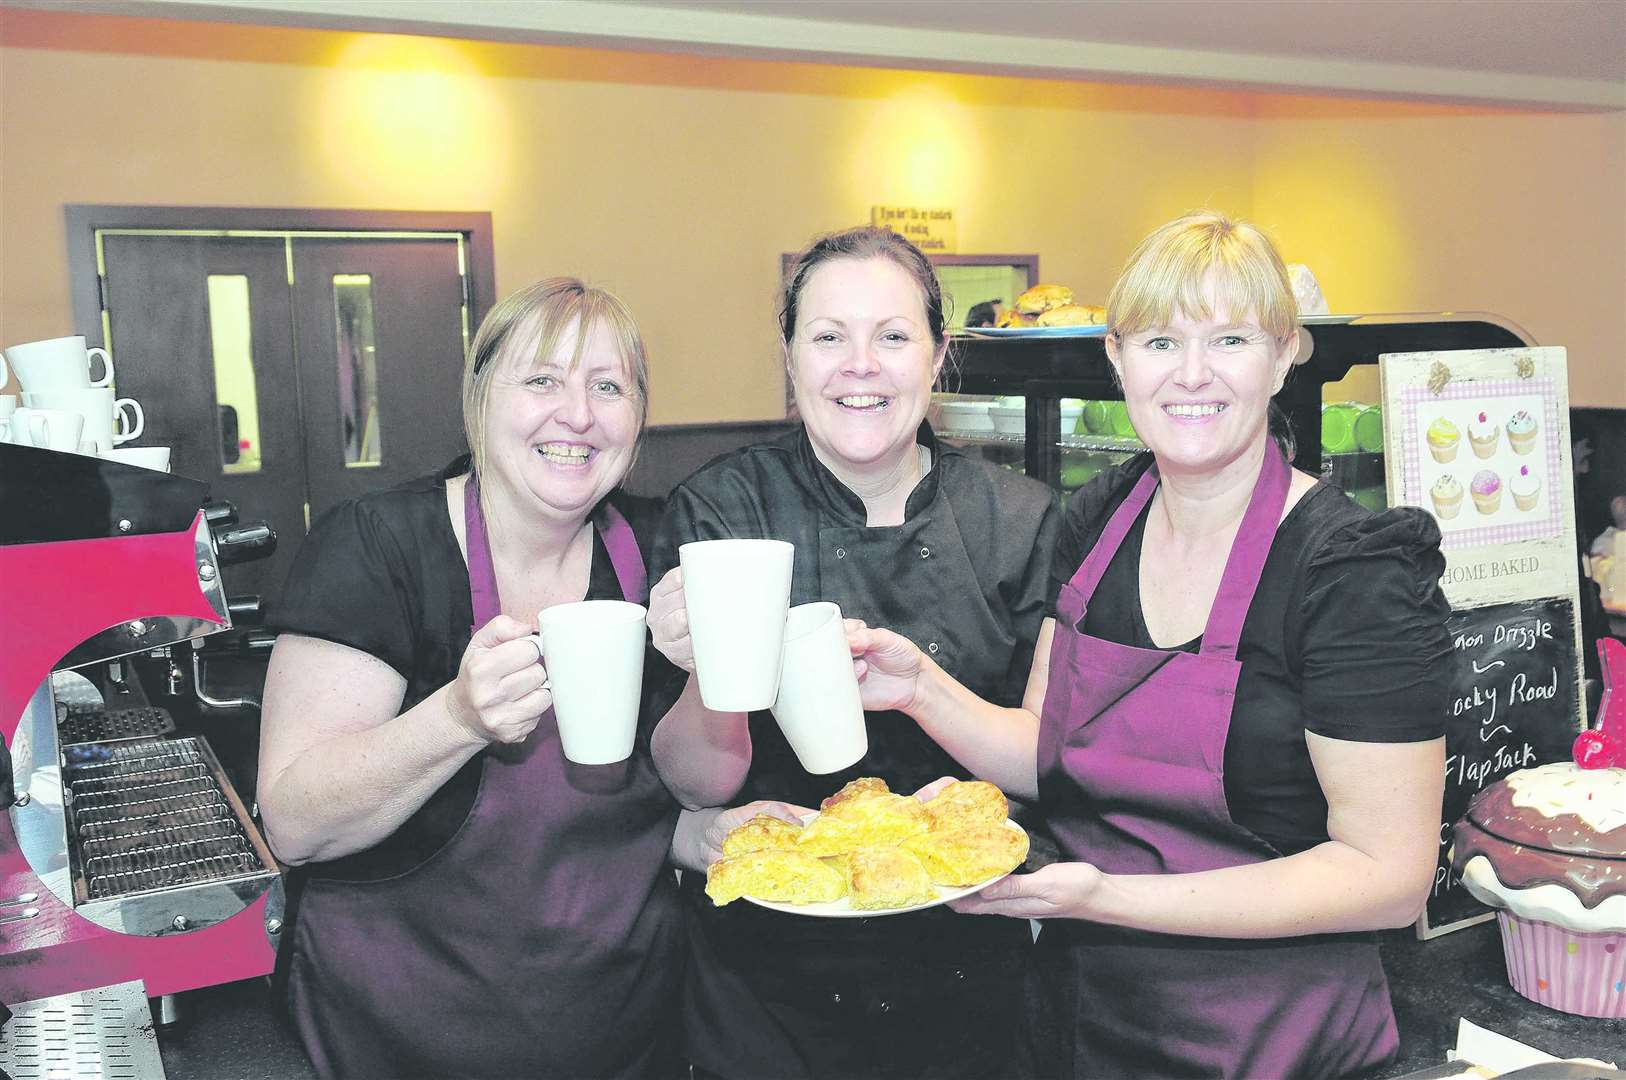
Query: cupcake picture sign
pixel 1480 440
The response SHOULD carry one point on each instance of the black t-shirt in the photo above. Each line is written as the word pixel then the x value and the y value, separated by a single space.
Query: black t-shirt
pixel 383 574
pixel 1345 637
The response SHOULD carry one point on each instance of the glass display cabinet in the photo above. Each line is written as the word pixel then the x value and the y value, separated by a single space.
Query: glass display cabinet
pixel 1048 406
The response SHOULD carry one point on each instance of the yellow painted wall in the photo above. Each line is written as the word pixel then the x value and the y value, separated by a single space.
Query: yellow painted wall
pixel 1436 209
pixel 678 181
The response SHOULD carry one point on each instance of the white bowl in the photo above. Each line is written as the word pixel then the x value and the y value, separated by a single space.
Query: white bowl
pixel 966 415
pixel 1010 421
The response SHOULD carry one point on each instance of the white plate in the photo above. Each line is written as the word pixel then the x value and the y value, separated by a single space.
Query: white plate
pixel 1326 320
pixel 843 909
pixel 1038 331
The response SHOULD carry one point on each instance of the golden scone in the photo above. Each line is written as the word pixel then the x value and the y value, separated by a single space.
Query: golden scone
pixel 886 877
pixel 867 819
pixel 1042 298
pixel 1012 317
pixel 969 855
pixel 967 802
pixel 785 876
pixel 854 788
pixel 759 833
pixel 1073 315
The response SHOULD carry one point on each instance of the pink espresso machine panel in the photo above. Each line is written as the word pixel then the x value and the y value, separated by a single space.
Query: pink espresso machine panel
pixel 120 858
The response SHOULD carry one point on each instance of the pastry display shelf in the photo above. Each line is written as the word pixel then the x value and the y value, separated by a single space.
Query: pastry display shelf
pixel 1043 371
pixel 1110 444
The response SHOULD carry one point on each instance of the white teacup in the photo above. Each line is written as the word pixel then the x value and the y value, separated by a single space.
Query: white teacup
pixel 108 420
pixel 147 457
pixel 737 593
pixel 594 653
pixel 48 429
pixel 818 708
pixel 57 364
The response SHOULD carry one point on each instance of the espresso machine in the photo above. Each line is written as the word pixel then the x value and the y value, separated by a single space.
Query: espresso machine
pixel 129 866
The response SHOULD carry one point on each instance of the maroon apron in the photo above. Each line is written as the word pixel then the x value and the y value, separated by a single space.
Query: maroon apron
pixel 1131 778
pixel 543 940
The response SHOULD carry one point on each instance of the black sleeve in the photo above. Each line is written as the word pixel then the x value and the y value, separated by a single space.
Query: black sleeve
pixel 350 584
pixel 1373 641
pixel 1031 601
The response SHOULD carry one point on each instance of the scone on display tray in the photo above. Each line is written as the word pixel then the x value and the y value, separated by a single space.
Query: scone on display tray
pixel 1546 847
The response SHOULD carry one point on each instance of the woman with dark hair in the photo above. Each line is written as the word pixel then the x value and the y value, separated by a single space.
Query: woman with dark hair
pixel 896 528
pixel 464 901
pixel 1234 725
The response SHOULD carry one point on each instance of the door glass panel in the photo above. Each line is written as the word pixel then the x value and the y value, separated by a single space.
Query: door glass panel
pixel 237 408
pixel 358 370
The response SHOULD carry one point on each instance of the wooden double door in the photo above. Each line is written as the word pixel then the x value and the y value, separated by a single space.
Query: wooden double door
pixel 290 371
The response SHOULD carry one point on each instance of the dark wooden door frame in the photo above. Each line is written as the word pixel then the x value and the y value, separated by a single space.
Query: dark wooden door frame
pixel 83 219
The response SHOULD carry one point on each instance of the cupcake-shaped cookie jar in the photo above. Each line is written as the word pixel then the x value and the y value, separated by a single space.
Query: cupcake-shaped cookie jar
pixel 1546 847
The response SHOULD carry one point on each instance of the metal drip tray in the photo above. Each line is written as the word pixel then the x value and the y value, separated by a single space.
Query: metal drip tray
pixel 101 1034
pixel 151 815
pixel 106 725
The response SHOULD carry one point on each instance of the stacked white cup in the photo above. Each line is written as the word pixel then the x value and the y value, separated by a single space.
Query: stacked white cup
pixel 63 408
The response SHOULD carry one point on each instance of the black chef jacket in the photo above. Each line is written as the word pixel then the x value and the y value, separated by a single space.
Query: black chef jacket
pixel 965 578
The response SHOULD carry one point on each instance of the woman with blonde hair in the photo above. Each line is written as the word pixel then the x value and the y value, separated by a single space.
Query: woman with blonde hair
pixel 1234 723
pixel 464 900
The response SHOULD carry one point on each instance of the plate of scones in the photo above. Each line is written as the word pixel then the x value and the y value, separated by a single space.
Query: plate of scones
pixel 870 851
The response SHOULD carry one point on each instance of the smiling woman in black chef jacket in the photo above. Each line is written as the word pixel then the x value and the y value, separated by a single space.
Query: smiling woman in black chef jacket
pixel 902 531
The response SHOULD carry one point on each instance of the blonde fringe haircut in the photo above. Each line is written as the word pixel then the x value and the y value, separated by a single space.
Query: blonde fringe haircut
pixel 1166 272
pixel 545 312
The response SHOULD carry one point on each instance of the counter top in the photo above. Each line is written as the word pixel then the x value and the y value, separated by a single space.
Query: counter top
pixel 233 1030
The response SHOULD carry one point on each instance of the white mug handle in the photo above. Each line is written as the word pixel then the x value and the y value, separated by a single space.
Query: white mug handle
pixel 122 426
pixel 5 430
pixel 5 372
pixel 107 366
pixel 536 639
pixel 39 431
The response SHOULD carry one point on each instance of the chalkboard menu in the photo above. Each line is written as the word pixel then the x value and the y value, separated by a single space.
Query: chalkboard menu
pixel 1513 704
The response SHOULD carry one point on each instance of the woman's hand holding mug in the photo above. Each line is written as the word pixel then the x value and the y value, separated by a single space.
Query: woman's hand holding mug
pixel 500 692
pixel 669 620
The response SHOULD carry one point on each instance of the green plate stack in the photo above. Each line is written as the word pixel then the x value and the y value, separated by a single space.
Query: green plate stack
pixel 1338 428
pixel 1369 430
pixel 1119 415
pixel 1097 418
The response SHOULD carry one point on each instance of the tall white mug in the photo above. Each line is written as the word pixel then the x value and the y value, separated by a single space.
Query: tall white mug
pixel 58 364
pixel 48 429
pixel 737 593
pixel 109 421
pixel 818 707
pixel 594 654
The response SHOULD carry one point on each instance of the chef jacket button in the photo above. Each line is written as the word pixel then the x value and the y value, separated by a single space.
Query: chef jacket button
pixel 886 1006
pixel 925 553
pixel 841 553
pixel 959 973
pixel 931 647
pixel 835 999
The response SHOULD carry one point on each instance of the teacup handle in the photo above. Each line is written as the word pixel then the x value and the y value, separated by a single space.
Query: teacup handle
pixel 122 432
pixel 107 366
pixel 38 431
pixel 536 639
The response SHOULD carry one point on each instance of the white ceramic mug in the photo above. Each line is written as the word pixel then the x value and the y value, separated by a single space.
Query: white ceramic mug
pixel 8 405
pixel 147 457
pixel 594 654
pixel 737 593
pixel 109 421
pixel 818 707
pixel 58 364
pixel 48 429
